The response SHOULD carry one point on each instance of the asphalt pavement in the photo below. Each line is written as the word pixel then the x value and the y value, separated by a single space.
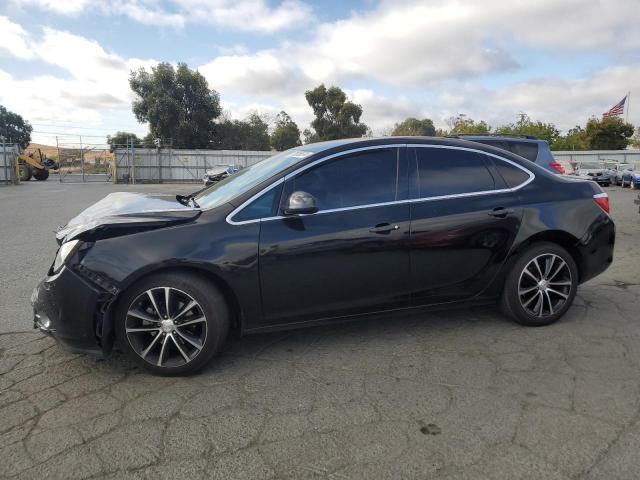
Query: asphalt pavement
pixel 462 394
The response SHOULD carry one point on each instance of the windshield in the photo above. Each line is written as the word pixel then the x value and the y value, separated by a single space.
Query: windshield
pixel 247 178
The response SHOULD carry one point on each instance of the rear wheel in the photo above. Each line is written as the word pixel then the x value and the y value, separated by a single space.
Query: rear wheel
pixel 541 285
pixel 172 323
pixel 41 175
pixel 24 172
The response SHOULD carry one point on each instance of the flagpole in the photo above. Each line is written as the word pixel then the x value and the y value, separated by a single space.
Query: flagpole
pixel 626 119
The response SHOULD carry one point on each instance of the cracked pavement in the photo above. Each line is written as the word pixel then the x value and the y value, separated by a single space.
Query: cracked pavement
pixel 449 395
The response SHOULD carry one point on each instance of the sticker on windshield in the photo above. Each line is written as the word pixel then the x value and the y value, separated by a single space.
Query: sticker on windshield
pixel 300 154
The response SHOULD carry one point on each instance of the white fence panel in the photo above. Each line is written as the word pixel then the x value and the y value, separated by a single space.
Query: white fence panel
pixel 148 165
pixel 8 157
pixel 569 158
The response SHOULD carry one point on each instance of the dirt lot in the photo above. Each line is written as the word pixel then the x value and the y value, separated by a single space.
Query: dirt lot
pixel 458 395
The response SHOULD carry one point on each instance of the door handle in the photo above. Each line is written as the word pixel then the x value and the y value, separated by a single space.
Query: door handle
pixel 384 228
pixel 500 212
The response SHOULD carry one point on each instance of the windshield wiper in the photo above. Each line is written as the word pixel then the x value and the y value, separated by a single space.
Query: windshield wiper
pixel 188 200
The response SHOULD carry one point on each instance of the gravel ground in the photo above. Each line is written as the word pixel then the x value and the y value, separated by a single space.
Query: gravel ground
pixel 453 395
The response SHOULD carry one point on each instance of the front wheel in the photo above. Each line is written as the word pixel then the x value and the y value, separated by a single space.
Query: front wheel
pixel 24 172
pixel 172 323
pixel 541 285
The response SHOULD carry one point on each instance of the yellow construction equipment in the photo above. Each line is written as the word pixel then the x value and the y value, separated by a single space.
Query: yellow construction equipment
pixel 36 165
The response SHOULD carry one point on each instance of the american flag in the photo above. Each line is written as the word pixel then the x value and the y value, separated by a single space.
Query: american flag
pixel 617 109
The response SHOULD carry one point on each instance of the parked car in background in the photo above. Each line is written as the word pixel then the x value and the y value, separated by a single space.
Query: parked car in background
pixel 529 147
pixel 321 233
pixel 616 170
pixel 217 173
pixel 598 172
pixel 630 178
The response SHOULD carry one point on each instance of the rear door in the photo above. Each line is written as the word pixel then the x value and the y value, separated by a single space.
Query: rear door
pixel 464 220
pixel 352 255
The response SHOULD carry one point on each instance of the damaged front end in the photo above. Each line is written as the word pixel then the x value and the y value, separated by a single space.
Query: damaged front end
pixel 74 303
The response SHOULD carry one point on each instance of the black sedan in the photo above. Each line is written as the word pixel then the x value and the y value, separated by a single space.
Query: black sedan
pixel 320 233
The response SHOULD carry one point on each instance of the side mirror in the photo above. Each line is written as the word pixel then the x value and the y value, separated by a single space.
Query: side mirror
pixel 300 203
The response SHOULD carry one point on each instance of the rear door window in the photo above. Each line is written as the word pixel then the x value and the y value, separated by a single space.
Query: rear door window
pixel 512 175
pixel 444 171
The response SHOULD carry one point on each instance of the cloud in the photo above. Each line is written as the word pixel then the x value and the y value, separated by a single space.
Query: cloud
pixel 260 74
pixel 564 102
pixel 246 15
pixel 249 15
pixel 380 111
pixel 97 80
pixel 65 7
pixel 412 45
pixel 402 58
pixel 431 58
pixel 14 40
pixel 145 13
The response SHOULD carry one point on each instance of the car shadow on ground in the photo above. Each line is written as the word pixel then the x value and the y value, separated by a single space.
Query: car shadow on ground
pixel 390 331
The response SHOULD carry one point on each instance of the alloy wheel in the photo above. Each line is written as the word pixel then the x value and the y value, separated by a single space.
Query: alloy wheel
pixel 166 327
pixel 545 285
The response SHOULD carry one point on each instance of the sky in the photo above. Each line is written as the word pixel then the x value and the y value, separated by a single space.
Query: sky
pixel 64 64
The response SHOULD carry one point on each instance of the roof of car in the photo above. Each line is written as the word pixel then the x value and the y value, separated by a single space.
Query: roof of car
pixel 337 146
pixel 350 143
pixel 511 138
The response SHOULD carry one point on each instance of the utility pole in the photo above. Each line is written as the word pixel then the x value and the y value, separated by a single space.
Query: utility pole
pixel 59 160
pixel 81 157
pixel 4 158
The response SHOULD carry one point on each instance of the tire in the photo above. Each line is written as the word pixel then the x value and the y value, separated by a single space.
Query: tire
pixel 141 327
pixel 41 175
pixel 557 296
pixel 24 172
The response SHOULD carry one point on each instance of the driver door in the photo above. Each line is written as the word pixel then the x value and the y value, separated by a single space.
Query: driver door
pixel 352 255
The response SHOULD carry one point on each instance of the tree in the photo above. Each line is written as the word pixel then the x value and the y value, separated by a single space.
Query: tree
pixel 177 103
pixel 123 139
pixel 575 139
pixel 413 127
pixel 249 134
pixel 465 125
pixel 608 133
pixel 526 126
pixel 335 117
pixel 286 134
pixel 635 140
pixel 14 128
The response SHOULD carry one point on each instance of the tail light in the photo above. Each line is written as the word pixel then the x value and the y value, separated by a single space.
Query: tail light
pixel 557 167
pixel 602 199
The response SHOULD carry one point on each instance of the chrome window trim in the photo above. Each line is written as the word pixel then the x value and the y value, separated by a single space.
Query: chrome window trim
pixel 372 205
pixel 244 204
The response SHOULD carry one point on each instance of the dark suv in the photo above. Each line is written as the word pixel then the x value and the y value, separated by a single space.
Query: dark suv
pixel 527 147
pixel 320 233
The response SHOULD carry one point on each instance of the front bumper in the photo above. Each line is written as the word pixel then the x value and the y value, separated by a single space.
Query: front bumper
pixel 71 309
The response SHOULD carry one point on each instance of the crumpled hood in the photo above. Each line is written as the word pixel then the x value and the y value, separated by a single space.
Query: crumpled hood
pixel 124 211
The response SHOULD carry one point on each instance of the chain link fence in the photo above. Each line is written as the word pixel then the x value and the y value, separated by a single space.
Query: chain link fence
pixel 83 162
pixel 167 165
